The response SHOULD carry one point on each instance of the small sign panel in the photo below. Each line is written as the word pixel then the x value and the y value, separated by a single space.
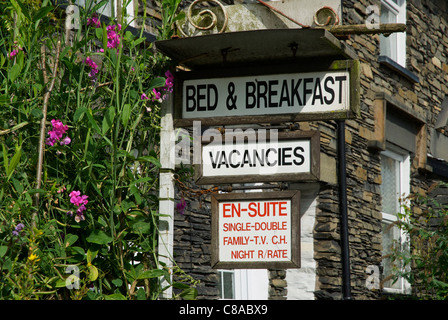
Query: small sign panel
pixel 291 156
pixel 256 230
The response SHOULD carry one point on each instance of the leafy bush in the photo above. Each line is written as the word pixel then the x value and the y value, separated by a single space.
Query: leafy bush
pixel 424 263
pixel 79 112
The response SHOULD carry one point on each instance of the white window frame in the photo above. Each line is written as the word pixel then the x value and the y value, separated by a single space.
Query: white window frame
pixel 398 40
pixel 248 284
pixel 403 186
pixel 110 11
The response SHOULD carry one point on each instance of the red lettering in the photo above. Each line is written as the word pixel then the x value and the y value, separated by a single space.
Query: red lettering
pixel 225 209
pixel 251 208
pixel 281 208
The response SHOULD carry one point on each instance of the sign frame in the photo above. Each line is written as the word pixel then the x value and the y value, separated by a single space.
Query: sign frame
pixel 305 65
pixel 292 195
pixel 313 174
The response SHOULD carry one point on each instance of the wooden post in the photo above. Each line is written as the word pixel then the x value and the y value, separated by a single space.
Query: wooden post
pixel 384 28
pixel 166 189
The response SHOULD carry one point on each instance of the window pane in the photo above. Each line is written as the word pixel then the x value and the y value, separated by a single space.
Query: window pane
pixel 388 45
pixel 391 238
pixel 389 185
pixel 226 284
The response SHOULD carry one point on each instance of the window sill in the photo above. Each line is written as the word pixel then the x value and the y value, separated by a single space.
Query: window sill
pixel 391 64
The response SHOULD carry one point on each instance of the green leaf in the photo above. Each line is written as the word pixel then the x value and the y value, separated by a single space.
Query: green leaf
pixel 23 9
pixel 157 83
pixel 14 162
pixel 141 227
pixel 115 296
pixel 78 114
pixel 151 159
pixel 14 72
pixel 70 239
pixel 37 113
pixel 148 274
pixel 126 114
pixel 189 294
pixel 42 13
pixel 92 121
pixel 91 254
pixel 3 250
pixel 108 120
pixel 99 237
pixel 93 272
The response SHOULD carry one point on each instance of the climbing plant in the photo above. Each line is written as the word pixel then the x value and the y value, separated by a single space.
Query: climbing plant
pixel 79 130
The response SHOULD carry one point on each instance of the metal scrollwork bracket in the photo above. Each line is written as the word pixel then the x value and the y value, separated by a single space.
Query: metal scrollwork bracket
pixel 205 12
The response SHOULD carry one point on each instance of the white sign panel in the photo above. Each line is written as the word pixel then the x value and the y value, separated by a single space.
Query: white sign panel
pixel 256 158
pixel 256 231
pixel 291 156
pixel 316 92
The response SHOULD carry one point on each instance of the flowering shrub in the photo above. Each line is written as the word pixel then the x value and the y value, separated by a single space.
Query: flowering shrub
pixel 79 128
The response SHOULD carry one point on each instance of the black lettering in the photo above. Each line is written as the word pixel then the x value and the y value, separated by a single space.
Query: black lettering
pixel 285 155
pixel 246 159
pixel 230 159
pixel 340 79
pixel 262 89
pixel 299 156
pixel 250 93
pixel 258 157
pixel 284 94
pixel 214 161
pixel 295 92
pixel 190 97
pixel 317 92
pixel 329 90
pixel 306 91
pixel 270 164
pixel 201 96
pixel 210 105
pixel 223 160
pixel 272 93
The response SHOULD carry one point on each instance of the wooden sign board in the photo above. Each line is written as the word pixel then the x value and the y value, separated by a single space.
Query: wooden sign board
pixel 253 157
pixel 277 95
pixel 256 230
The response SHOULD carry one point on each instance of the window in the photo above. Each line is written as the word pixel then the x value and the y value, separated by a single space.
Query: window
pixel 394 45
pixel 111 8
pixel 243 284
pixel 226 284
pixel 395 172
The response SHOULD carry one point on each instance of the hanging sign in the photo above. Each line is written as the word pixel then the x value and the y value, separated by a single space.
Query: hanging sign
pixel 250 156
pixel 256 230
pixel 257 98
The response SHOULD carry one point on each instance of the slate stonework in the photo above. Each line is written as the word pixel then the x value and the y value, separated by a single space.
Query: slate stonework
pixel 427 47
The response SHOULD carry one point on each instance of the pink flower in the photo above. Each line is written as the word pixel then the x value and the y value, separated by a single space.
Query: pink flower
pixel 13 53
pixel 59 129
pixel 77 199
pixel 65 141
pixel 93 67
pixel 144 96
pixel 94 21
pixel 80 201
pixel 157 95
pixel 113 38
pixel 180 207
pixel 169 83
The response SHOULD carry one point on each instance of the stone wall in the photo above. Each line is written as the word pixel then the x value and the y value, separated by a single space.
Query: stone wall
pixel 427 45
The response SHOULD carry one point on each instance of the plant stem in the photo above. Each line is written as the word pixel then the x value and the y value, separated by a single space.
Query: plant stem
pixel 43 124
